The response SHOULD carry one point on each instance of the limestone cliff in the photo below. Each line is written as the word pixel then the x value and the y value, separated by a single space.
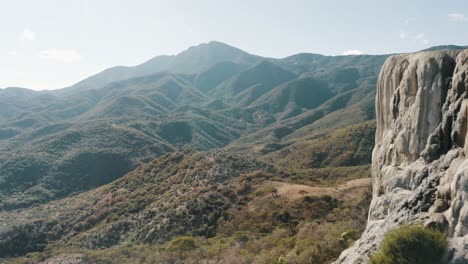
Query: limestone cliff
pixel 419 163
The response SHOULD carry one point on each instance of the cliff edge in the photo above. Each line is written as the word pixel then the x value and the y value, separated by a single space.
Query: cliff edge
pixel 419 163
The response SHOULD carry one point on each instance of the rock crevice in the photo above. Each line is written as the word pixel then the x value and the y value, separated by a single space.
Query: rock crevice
pixel 419 163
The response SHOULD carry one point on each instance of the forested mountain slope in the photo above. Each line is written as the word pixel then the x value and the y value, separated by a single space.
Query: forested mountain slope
pixel 53 143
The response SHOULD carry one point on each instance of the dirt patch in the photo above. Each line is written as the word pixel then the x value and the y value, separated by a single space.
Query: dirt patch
pixel 349 189
pixel 73 258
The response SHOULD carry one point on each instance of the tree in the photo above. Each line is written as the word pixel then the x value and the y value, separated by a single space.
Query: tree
pixel 182 245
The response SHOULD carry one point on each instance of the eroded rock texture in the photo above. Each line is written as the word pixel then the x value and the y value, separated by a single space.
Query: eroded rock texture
pixel 419 163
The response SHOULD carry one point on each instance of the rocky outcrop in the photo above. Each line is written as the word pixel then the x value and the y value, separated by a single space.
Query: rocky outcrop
pixel 419 163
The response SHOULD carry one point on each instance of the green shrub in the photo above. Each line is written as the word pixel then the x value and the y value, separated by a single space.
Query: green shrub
pixel 411 245
pixel 182 244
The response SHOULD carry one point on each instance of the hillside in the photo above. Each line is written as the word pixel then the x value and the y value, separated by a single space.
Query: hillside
pixel 207 97
pixel 213 198
pixel 246 86
pixel 55 143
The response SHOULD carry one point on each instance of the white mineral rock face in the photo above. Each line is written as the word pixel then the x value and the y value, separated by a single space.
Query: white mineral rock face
pixel 419 163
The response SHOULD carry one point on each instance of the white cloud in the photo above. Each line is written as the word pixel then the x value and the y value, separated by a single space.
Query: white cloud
pixel 457 17
pixel 27 35
pixel 12 53
pixel 353 52
pixel 60 55
pixel 418 37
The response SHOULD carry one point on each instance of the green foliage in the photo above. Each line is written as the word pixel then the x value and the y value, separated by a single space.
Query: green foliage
pixel 23 239
pixel 182 244
pixel 411 245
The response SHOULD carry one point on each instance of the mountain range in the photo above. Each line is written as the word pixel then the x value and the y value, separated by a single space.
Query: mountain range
pixel 212 130
pixel 53 143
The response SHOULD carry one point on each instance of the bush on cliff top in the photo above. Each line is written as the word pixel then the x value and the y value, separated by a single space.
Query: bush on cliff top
pixel 411 245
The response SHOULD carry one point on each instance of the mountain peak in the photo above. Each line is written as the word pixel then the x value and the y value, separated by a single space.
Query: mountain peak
pixel 193 60
pixel 214 43
pixel 219 43
pixel 214 47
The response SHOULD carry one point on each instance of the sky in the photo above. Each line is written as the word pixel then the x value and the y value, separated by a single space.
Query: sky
pixel 51 44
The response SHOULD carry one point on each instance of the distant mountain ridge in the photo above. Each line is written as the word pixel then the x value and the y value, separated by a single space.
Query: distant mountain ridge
pixel 196 59
pixel 442 47
pixel 209 96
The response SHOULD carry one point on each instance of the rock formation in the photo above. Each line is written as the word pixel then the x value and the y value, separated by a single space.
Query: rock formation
pixel 419 163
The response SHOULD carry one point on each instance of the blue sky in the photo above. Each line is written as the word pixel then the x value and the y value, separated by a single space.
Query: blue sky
pixel 51 44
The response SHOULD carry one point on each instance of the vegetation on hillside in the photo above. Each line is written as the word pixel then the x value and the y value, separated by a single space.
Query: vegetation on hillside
pixel 56 143
pixel 348 146
pixel 220 200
